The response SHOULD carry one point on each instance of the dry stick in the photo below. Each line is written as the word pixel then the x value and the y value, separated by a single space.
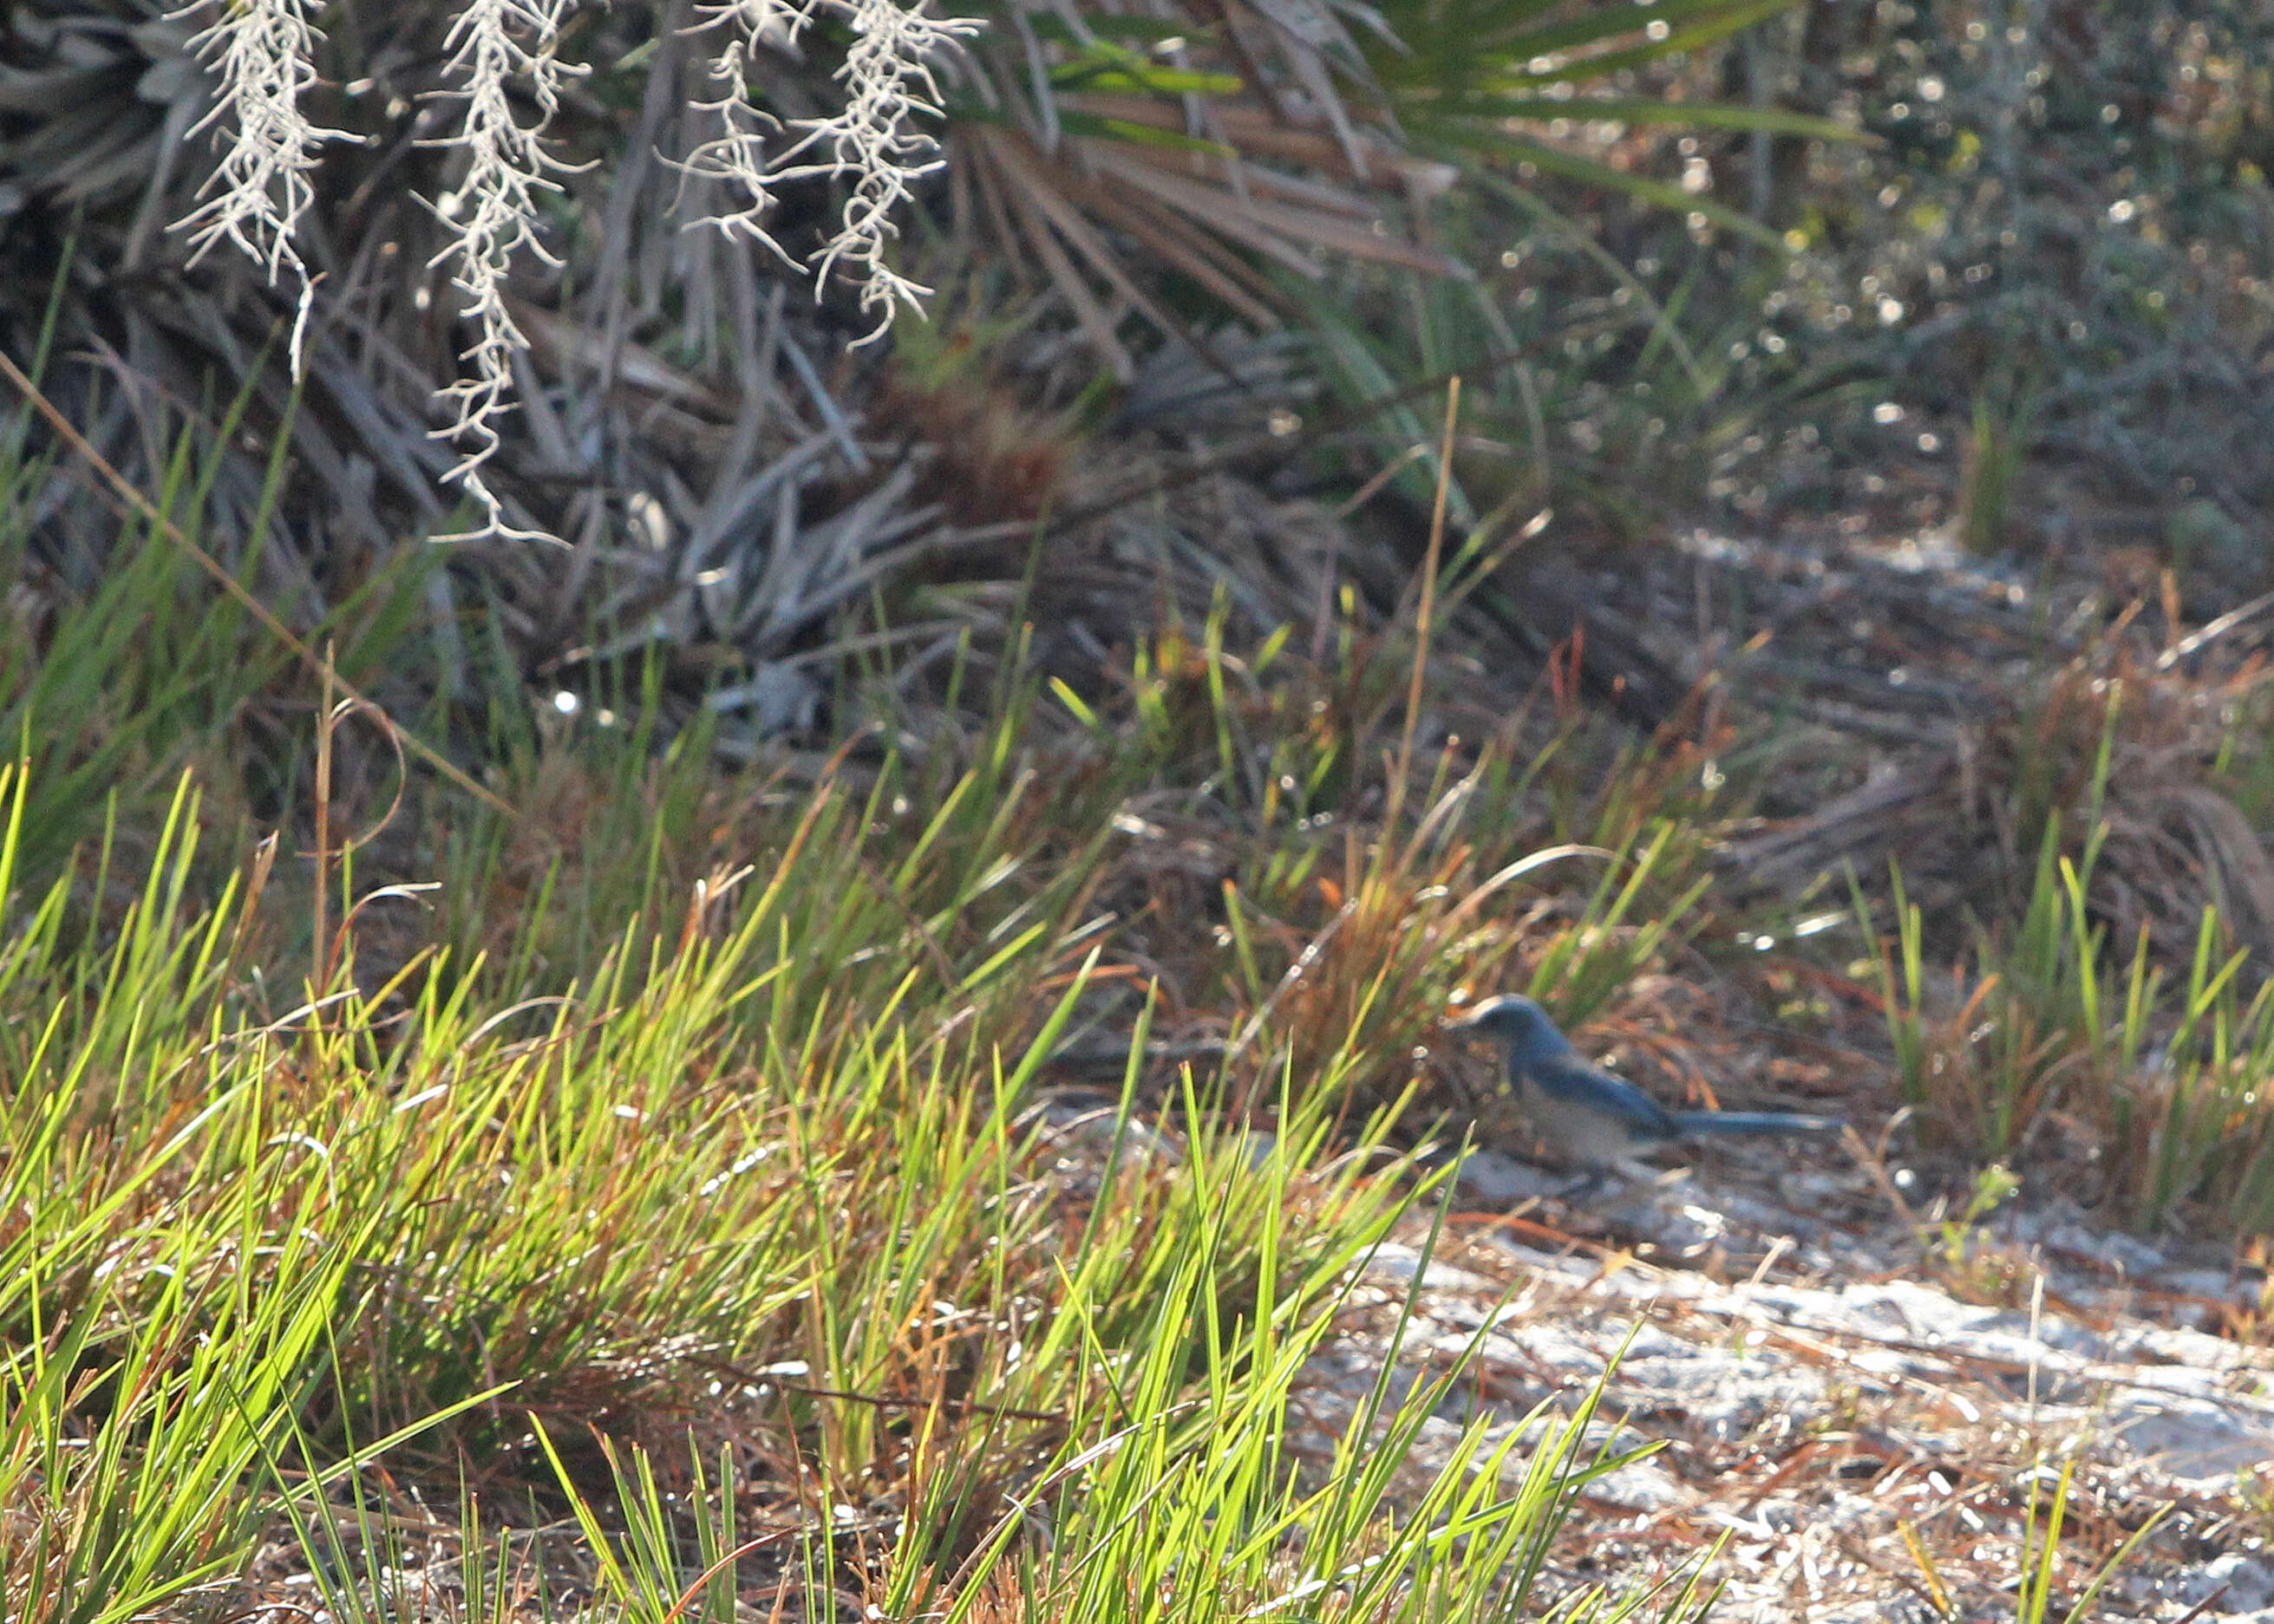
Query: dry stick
pixel 695 1586
pixel 1428 604
pixel 235 589
pixel 761 1379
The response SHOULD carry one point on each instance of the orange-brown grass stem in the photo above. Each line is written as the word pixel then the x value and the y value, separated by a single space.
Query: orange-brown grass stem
pixel 1427 606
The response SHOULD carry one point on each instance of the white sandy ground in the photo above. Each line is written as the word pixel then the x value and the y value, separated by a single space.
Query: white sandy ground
pixel 1819 1390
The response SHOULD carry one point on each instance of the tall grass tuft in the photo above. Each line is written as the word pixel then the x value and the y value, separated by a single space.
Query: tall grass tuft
pixel 707 1219
pixel 2053 1043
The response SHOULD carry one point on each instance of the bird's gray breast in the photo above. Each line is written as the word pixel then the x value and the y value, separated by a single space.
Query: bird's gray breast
pixel 1576 1133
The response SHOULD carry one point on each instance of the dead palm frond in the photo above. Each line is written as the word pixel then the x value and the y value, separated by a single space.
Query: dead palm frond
pixel 673 423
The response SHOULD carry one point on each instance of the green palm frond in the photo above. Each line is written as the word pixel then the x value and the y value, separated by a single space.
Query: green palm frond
pixel 1225 143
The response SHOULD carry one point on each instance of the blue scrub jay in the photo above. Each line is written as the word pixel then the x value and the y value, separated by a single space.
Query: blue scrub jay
pixel 1591 1119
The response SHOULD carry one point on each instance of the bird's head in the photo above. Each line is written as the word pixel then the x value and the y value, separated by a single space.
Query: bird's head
pixel 1521 1025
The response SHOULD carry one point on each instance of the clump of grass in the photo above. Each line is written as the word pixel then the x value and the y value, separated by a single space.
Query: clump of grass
pixel 1991 459
pixel 2052 1046
pixel 720 1233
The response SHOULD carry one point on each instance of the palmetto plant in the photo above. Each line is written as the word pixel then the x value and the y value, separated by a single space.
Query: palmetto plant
pixel 1215 143
pixel 1213 135
pixel 470 224
pixel 1501 84
pixel 1236 144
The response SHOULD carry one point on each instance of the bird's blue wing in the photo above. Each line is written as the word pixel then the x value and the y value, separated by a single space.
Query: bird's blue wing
pixel 1571 1080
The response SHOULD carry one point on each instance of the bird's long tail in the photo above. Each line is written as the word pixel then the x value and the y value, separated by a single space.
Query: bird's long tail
pixel 1761 1123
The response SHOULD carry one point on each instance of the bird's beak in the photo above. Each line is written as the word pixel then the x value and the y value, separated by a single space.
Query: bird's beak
pixel 1460 1019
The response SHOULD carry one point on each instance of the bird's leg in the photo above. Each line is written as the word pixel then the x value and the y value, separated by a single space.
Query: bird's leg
pixel 1585 1188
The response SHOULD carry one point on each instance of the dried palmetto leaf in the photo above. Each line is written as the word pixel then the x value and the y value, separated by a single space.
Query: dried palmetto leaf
pixel 673 424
